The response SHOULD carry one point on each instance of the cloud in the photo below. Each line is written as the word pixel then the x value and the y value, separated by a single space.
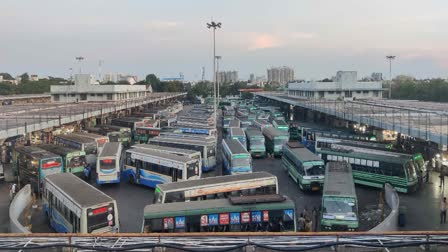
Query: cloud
pixel 263 41
pixel 303 35
pixel 161 24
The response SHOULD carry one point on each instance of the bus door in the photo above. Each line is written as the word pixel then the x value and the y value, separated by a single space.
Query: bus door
pixel 174 175
pixel 138 167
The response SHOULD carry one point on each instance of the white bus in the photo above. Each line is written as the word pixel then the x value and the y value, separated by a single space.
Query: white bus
pixel 150 168
pixel 235 158
pixel 181 152
pixel 99 139
pixel 108 164
pixel 206 147
pixel 74 206
pixel 217 187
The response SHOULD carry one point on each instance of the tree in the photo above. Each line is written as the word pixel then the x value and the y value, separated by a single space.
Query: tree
pixel 24 77
pixel 152 80
pixel 6 76
pixel 7 89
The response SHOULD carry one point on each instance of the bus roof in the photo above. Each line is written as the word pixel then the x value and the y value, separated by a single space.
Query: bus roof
pixel 36 152
pixel 78 190
pixel 182 159
pixel 210 206
pixel 164 148
pixel 370 152
pixel 88 135
pixel 339 180
pixel 303 154
pixel 236 132
pixel 273 132
pixel 110 149
pixel 214 181
pixel 235 146
pixel 261 122
pixel 181 140
pixel 253 132
pixel 128 119
pixel 57 149
pixel 77 138
pixel 234 123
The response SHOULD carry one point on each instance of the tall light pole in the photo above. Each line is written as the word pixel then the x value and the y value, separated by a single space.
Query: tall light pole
pixel 390 58
pixel 217 73
pixel 214 25
pixel 79 59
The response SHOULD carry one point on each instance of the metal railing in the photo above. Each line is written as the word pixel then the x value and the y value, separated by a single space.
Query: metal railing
pixel 229 241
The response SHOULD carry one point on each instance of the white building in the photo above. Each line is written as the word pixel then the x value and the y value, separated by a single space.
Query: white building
pixel 131 79
pixel 227 76
pixel 86 89
pixel 280 75
pixel 34 77
pixel 1 78
pixel 109 77
pixel 345 86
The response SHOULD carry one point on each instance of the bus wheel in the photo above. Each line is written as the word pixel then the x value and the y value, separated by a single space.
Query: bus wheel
pixel 131 179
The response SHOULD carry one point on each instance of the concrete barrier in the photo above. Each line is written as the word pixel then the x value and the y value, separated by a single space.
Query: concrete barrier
pixel 21 201
pixel 390 223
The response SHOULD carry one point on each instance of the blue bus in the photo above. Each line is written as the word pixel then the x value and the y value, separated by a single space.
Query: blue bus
pixel 236 159
pixel 238 134
pixel 150 168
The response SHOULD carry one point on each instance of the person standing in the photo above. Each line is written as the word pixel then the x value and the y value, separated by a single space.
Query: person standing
pixel 442 176
pixel 301 223
pixel 314 214
pixel 12 191
pixel 443 206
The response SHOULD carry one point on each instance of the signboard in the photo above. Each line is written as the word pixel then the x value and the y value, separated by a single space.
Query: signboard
pixel 288 214
pixel 234 218
pixel 265 216
pixel 204 220
pixel 168 223
pixel 245 217
pixel 256 217
pixel 224 219
pixel 180 222
pixel 213 220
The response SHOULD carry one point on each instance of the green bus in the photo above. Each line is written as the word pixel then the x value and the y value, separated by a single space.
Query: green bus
pixel 256 213
pixel 294 132
pixel 74 160
pixel 143 134
pixel 303 166
pixel 339 201
pixel 280 125
pixel 255 142
pixel 374 167
pixel 120 137
pixel 275 140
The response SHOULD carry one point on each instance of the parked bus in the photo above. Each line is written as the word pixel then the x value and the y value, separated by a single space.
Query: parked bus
pixel 294 132
pixel 124 138
pixel 74 160
pixel 205 147
pixel 177 151
pixel 150 168
pixel 130 122
pixel 33 164
pixel 269 213
pixel 235 158
pixel 143 134
pixel 374 167
pixel 339 201
pixel 245 124
pixel 82 143
pixel 280 125
pixel 188 129
pixel 108 164
pixel 99 139
pixel 255 142
pixel 275 140
pixel 261 124
pixel 74 206
pixel 187 136
pixel 303 166
pixel 233 124
pixel 256 183
pixel 238 134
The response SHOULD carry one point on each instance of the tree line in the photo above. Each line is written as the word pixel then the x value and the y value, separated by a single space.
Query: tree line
pixel 425 90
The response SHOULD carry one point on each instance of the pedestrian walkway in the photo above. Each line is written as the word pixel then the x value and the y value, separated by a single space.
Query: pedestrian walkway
pixel 422 207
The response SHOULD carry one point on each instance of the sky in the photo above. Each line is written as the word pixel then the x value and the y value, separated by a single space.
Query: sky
pixel 316 38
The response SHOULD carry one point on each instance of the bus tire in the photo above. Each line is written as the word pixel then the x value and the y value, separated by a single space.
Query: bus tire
pixel 131 179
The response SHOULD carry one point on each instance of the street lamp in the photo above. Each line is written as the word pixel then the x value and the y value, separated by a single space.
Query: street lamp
pixel 217 73
pixel 79 59
pixel 390 58
pixel 214 25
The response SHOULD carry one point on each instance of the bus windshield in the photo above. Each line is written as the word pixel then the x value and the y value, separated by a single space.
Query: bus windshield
pixel 107 164
pixel 241 162
pixel 339 208
pixel 257 142
pixel 77 161
pixel 193 169
pixel 314 169
pixel 410 169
